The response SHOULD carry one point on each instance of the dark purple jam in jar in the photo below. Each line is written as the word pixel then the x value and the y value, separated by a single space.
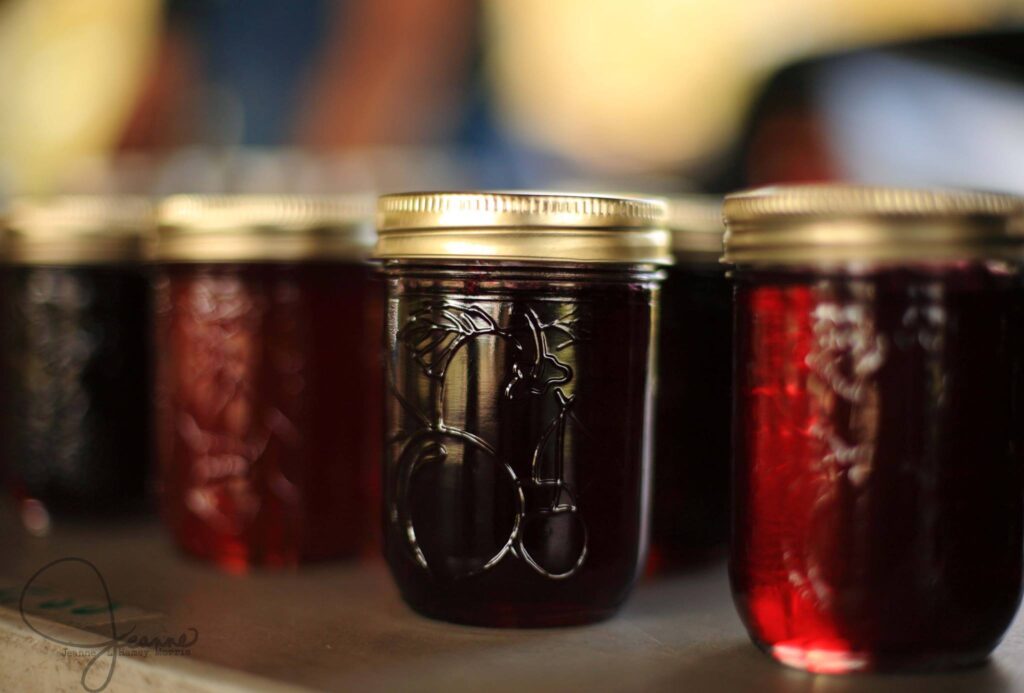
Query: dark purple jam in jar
pixel 519 356
pixel 878 474
pixel 269 378
pixel 694 399
pixel 74 431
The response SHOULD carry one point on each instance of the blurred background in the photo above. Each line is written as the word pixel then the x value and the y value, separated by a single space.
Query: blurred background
pixel 378 95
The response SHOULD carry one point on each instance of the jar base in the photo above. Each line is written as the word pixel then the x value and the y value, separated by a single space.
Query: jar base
pixel 833 660
pixel 237 557
pixel 514 615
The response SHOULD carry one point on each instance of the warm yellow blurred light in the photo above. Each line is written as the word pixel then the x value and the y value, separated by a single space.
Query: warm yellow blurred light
pixel 654 84
pixel 70 71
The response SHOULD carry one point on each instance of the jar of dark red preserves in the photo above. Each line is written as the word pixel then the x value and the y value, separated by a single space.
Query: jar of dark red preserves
pixel 269 377
pixel 519 355
pixel 73 348
pixel 878 473
pixel 694 402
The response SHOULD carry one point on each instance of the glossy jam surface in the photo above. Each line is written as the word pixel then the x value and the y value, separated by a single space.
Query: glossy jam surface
pixel 694 407
pixel 878 479
pixel 269 409
pixel 75 424
pixel 516 473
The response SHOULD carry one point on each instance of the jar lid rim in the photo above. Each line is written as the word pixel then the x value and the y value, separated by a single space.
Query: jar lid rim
pixel 695 224
pixel 836 222
pixel 831 200
pixel 500 225
pixel 77 229
pixel 251 228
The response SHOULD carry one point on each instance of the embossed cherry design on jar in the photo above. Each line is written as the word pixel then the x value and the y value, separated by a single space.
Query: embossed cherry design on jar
pixel 269 377
pixel 519 360
pixel 878 477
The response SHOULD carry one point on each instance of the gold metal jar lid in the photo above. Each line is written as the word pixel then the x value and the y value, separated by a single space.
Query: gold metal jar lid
pixel 840 223
pixel 264 228
pixel 77 229
pixel 695 225
pixel 530 227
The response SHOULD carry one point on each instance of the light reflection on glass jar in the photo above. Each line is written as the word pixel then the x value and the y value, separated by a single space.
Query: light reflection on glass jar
pixel 269 392
pixel 74 301
pixel 516 472
pixel 878 479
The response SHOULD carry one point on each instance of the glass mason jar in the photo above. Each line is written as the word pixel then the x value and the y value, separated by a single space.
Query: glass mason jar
pixel 878 473
pixel 268 377
pixel 694 402
pixel 519 361
pixel 73 349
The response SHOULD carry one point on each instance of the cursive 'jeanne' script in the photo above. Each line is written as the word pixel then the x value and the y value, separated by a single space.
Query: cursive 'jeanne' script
pixel 117 640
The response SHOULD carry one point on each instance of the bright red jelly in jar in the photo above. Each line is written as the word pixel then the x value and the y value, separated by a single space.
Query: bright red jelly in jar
pixel 878 474
pixel 270 401
pixel 517 464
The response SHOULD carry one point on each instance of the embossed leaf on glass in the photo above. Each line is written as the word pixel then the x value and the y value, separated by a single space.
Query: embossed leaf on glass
pixel 434 333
